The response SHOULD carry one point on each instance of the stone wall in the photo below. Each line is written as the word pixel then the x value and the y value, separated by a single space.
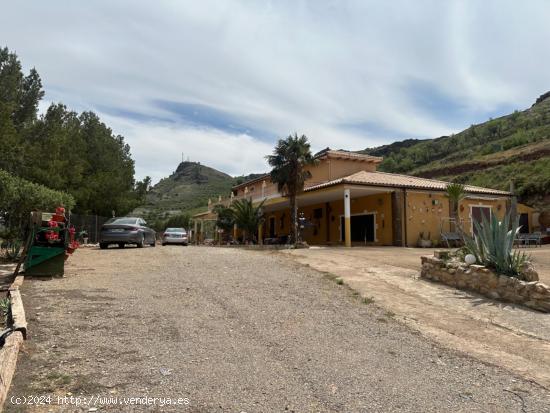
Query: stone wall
pixel 532 294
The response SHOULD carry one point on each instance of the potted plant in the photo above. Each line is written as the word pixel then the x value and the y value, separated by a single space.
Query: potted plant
pixel 84 236
pixel 424 240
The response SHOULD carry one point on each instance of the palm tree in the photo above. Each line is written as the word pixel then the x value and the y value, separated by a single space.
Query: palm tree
pixel 247 216
pixel 289 159
pixel 225 218
pixel 456 193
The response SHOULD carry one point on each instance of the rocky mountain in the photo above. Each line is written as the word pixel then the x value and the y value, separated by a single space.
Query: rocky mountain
pixel 187 190
pixel 515 147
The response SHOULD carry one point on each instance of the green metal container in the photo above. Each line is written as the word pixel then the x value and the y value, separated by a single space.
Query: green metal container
pixel 45 261
pixel 46 258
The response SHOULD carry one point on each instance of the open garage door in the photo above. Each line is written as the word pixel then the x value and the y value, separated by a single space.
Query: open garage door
pixel 362 228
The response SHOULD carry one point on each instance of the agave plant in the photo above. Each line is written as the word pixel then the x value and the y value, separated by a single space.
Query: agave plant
pixel 493 242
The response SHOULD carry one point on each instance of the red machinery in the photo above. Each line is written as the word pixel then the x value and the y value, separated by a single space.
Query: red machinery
pixel 51 243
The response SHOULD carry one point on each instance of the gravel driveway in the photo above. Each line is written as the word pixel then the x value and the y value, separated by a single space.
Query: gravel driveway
pixel 238 331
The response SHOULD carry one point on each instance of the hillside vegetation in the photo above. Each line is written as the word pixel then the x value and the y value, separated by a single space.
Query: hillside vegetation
pixel 514 148
pixel 187 190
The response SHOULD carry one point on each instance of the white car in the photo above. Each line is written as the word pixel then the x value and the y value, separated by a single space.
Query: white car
pixel 175 236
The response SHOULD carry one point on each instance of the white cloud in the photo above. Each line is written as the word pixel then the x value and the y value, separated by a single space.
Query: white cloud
pixel 158 148
pixel 306 66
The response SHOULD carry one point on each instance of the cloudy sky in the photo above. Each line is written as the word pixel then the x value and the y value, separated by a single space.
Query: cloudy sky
pixel 220 81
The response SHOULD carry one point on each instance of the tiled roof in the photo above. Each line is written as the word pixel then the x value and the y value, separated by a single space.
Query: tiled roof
pixel 341 154
pixel 400 181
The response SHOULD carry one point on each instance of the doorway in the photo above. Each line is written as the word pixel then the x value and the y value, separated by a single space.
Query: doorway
pixel 362 228
pixel 524 223
pixel 479 213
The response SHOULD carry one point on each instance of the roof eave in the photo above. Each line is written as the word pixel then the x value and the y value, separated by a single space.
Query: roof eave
pixel 423 188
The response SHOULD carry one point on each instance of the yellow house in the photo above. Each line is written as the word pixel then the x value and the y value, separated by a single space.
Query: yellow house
pixel 347 201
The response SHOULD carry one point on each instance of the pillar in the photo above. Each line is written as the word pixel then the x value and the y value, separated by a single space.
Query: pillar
pixel 261 234
pixel 347 216
pixel 195 232
pixel 398 218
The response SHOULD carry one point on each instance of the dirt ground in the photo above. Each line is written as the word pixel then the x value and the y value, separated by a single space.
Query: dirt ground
pixel 238 331
pixel 504 334
pixel 541 259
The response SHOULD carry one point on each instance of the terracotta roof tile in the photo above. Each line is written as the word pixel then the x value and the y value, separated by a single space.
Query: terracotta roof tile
pixel 401 181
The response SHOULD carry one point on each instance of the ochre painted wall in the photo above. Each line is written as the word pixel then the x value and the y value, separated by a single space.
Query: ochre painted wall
pixel 498 207
pixel 424 211
pixel 524 209
pixel 330 169
pixel 325 170
pixel 380 204
pixel 282 223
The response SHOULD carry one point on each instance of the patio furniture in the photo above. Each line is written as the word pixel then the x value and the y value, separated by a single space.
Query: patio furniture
pixel 526 239
pixel 451 237
pixel 519 240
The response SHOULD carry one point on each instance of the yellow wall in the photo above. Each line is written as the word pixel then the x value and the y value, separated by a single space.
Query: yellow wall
pixel 380 204
pixel 319 173
pixel 424 211
pixel 524 209
pixel 282 223
pixel 423 215
pixel 325 170
pixel 344 167
pixel 498 207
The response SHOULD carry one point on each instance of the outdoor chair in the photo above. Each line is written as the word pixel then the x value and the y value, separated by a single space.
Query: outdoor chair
pixel 520 240
pixel 451 237
pixel 535 238
pixel 527 239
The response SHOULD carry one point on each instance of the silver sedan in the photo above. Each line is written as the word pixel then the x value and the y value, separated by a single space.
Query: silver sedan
pixel 126 230
pixel 175 236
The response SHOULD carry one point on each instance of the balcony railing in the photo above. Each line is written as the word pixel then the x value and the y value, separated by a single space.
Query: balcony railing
pixel 268 192
pixel 259 196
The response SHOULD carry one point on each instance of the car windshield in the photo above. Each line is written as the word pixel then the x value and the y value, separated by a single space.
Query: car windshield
pixel 175 230
pixel 126 221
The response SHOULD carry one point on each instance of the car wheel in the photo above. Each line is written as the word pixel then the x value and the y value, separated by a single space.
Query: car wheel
pixel 140 243
pixel 121 245
pixel 103 245
pixel 163 244
pixel 154 244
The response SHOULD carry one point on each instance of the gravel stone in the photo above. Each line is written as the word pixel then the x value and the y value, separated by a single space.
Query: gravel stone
pixel 239 331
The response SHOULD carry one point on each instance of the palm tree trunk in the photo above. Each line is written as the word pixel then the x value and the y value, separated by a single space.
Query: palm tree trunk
pixel 293 220
pixel 455 215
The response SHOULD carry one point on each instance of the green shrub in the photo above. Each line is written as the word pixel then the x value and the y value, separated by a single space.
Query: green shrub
pixel 13 249
pixel 18 197
pixel 178 221
pixel 493 243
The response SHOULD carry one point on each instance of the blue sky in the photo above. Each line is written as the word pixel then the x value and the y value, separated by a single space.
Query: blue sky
pixel 220 81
